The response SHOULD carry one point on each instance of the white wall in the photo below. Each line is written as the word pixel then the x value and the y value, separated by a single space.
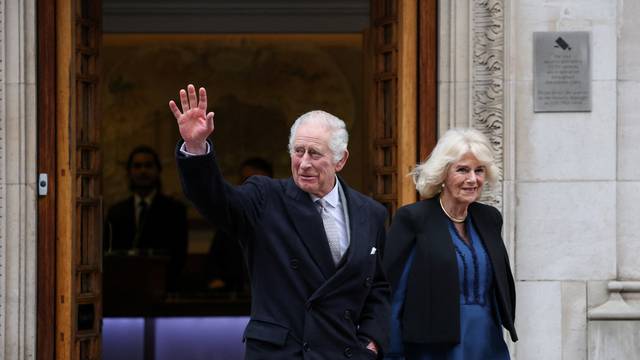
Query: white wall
pixel 571 184
pixel 17 179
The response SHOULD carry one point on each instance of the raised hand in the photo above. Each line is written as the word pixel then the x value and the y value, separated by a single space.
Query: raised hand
pixel 194 122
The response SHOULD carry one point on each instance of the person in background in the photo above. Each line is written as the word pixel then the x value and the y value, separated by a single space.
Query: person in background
pixel 453 290
pixel 311 242
pixel 148 222
pixel 226 268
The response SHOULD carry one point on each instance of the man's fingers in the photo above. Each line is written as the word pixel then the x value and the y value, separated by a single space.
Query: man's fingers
pixel 203 100
pixel 210 120
pixel 174 109
pixel 193 100
pixel 184 101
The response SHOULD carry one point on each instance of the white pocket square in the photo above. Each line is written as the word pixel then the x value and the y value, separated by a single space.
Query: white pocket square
pixel 373 251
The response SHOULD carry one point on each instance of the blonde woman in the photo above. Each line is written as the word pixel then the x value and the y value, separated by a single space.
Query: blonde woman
pixel 453 290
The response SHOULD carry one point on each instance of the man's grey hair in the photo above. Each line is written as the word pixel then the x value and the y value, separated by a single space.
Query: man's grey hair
pixel 339 138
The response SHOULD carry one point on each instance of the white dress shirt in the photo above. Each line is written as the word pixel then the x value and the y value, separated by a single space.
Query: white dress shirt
pixel 183 150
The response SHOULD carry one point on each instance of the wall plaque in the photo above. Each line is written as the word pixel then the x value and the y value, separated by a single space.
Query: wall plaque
pixel 562 71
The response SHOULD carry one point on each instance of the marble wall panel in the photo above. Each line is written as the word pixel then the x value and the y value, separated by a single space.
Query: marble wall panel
pixel 566 146
pixel 566 230
pixel 614 340
pixel 574 321
pixel 628 44
pixel 551 320
pixel 628 195
pixel 538 315
pixel 454 108
pixel 628 130
pixel 596 16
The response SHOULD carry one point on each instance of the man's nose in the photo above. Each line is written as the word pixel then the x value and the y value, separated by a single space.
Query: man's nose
pixel 305 162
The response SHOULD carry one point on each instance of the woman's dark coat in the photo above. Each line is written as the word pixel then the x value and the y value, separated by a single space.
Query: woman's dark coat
pixel 431 311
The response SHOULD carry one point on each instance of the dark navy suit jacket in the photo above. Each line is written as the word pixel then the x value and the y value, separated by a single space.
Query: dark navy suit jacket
pixel 303 306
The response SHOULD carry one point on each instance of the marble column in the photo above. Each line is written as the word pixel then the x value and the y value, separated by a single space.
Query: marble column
pixel 17 179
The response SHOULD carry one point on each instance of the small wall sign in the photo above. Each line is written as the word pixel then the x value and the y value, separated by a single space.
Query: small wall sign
pixel 562 71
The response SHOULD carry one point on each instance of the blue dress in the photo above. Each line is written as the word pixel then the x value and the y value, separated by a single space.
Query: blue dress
pixel 480 331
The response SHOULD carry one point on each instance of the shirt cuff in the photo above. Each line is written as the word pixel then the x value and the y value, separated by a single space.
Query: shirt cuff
pixel 188 154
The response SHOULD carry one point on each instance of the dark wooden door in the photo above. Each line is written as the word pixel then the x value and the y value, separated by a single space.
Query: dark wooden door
pixel 402 90
pixel 69 222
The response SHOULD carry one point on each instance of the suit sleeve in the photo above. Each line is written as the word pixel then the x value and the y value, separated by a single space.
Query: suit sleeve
pixel 374 318
pixel 233 209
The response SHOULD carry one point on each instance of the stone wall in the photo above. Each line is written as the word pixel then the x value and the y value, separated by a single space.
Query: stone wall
pixel 567 191
pixel 17 179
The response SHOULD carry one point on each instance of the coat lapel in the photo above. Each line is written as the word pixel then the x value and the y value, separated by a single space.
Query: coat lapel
pixel 356 216
pixel 308 224
pixel 359 246
pixel 489 235
pixel 439 250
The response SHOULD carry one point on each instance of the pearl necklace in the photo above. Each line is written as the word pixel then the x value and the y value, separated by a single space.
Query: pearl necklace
pixel 456 220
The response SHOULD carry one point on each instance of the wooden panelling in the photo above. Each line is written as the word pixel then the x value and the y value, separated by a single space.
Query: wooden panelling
pixel 407 99
pixel 78 177
pixel 45 338
pixel 383 102
pixel 427 76
pixel 402 106
pixel 65 209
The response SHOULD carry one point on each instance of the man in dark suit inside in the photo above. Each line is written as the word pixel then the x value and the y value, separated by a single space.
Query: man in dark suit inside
pixel 311 242
pixel 148 222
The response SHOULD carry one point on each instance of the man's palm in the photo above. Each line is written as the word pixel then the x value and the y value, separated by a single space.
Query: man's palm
pixel 194 123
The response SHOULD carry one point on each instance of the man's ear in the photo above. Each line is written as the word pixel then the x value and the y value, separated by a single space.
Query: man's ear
pixel 342 162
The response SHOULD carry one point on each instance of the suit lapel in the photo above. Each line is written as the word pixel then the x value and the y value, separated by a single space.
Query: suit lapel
pixel 308 224
pixel 359 245
pixel 355 217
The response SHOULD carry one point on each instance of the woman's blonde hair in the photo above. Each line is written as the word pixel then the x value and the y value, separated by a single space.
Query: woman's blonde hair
pixel 451 147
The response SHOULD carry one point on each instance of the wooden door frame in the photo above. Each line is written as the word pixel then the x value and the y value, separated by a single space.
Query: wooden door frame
pixel 427 129
pixel 402 118
pixel 57 231
pixel 407 107
pixel 46 224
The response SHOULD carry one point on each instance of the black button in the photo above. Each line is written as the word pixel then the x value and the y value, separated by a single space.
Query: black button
pixel 368 281
pixel 294 263
pixel 347 314
pixel 308 305
pixel 347 352
pixel 306 347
